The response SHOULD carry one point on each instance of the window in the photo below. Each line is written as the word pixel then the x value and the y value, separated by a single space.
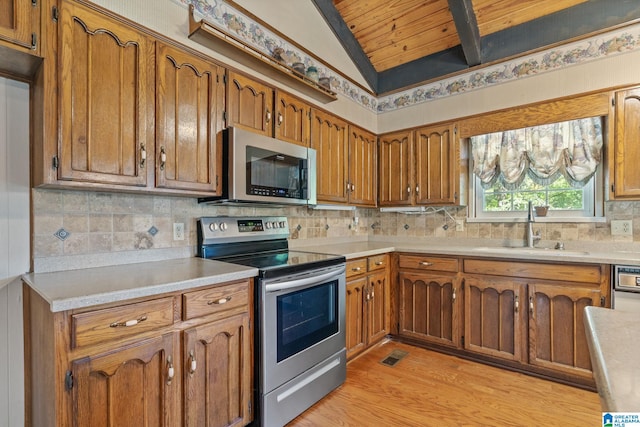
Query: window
pixel 555 165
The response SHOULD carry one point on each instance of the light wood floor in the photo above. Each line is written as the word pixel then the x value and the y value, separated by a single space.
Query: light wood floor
pixel 427 388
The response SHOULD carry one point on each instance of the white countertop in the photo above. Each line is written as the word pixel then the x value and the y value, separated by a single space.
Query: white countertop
pixel 66 290
pixel 614 345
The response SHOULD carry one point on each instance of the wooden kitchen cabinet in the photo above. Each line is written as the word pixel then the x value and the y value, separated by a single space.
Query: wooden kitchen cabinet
pixel 189 105
pixel 367 303
pixel 626 150
pixel 329 138
pixel 420 167
pixel 19 21
pixel 553 328
pixel 292 119
pixel 361 167
pixel 495 311
pixel 429 299
pixel 131 385
pixel 105 82
pixel 183 358
pixel 249 104
pixel 557 338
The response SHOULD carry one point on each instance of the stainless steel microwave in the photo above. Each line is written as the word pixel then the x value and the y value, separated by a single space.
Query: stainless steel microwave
pixel 262 170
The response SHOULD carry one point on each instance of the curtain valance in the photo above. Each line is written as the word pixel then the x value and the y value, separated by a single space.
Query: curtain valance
pixel 572 149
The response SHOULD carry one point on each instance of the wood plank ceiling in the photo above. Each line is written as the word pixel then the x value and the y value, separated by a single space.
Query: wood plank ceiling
pixel 401 43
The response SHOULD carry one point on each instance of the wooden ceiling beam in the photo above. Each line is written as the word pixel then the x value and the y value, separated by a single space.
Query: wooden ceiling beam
pixel 467 26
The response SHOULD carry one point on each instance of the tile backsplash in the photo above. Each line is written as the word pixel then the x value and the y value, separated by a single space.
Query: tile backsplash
pixel 78 224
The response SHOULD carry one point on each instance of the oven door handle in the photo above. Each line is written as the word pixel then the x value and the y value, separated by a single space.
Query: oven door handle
pixel 302 283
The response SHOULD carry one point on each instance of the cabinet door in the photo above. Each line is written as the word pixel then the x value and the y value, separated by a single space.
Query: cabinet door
pixel 249 104
pixel 218 371
pixel 377 307
pixel 627 149
pixel 429 308
pixel 557 339
pixel 355 316
pixel 363 148
pixel 435 168
pixel 189 96
pixel 292 119
pixel 106 99
pixel 329 139
pixel 17 22
pixel 136 385
pixel 395 169
pixel 494 317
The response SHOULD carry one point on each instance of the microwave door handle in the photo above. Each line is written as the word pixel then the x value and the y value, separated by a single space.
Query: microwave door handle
pixel 302 283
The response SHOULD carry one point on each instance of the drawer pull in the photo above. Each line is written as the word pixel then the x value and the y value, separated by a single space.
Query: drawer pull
pixel 170 371
pixel 192 363
pixel 128 323
pixel 219 301
pixel 379 263
pixel 426 263
pixel 356 269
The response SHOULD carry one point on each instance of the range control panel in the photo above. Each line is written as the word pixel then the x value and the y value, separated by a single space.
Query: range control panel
pixel 225 229
pixel 626 278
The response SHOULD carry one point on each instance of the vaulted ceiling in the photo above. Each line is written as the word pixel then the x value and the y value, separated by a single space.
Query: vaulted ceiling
pixel 397 44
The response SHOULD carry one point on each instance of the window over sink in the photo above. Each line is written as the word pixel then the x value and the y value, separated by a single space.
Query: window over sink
pixel 556 166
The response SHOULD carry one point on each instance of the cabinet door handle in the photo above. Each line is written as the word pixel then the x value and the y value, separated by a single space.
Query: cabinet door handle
pixel 219 301
pixel 143 156
pixel 453 296
pixel 170 371
pixel 408 189
pixel 531 305
pixel 516 304
pixel 128 323
pixel 372 295
pixel 163 158
pixel 192 363
pixel 426 263
pixel 280 119
pixel 353 187
pixel 417 189
pixel 348 187
pixel 268 116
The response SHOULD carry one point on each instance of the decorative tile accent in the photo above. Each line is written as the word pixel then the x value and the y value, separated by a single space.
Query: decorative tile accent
pixel 230 20
pixel 153 230
pixel 62 234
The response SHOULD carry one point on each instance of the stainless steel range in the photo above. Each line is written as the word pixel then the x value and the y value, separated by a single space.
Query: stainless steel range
pixel 300 312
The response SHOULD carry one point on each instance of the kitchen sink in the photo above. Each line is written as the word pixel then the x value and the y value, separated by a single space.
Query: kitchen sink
pixel 508 250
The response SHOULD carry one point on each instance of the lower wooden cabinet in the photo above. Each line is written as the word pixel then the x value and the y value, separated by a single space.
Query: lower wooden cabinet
pixel 367 303
pixel 174 359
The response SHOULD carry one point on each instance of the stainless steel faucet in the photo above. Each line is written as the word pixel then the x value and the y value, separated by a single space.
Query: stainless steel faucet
pixel 531 237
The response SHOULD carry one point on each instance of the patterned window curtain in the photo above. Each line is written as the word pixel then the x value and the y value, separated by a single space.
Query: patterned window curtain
pixel 572 149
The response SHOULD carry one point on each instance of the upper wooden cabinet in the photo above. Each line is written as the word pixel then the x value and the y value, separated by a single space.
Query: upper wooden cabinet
pixel 329 139
pixel 249 104
pixel 626 152
pixel 189 95
pixel 106 97
pixel 292 119
pixel 420 167
pixel 18 23
pixel 362 165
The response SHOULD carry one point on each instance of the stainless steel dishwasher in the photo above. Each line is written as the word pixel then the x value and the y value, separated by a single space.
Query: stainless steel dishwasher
pixel 626 288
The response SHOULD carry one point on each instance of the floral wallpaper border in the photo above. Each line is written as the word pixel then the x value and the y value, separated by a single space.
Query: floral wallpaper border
pixel 228 19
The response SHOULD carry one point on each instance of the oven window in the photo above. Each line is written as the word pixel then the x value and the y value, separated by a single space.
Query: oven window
pixel 306 317
pixel 273 171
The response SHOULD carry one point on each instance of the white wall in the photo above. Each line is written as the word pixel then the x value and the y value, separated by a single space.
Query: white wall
pixel 14 244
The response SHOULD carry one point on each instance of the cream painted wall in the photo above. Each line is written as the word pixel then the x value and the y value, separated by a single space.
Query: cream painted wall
pixel 14 244
pixel 603 73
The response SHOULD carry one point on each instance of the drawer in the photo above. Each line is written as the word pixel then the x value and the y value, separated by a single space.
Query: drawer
pixel 356 267
pixel 427 262
pixel 120 322
pixel 218 299
pixel 378 262
pixel 585 273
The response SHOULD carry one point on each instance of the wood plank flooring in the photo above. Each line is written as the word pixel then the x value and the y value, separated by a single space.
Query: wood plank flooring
pixel 427 388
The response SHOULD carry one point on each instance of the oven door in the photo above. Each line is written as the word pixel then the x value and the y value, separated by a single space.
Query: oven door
pixel 303 320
